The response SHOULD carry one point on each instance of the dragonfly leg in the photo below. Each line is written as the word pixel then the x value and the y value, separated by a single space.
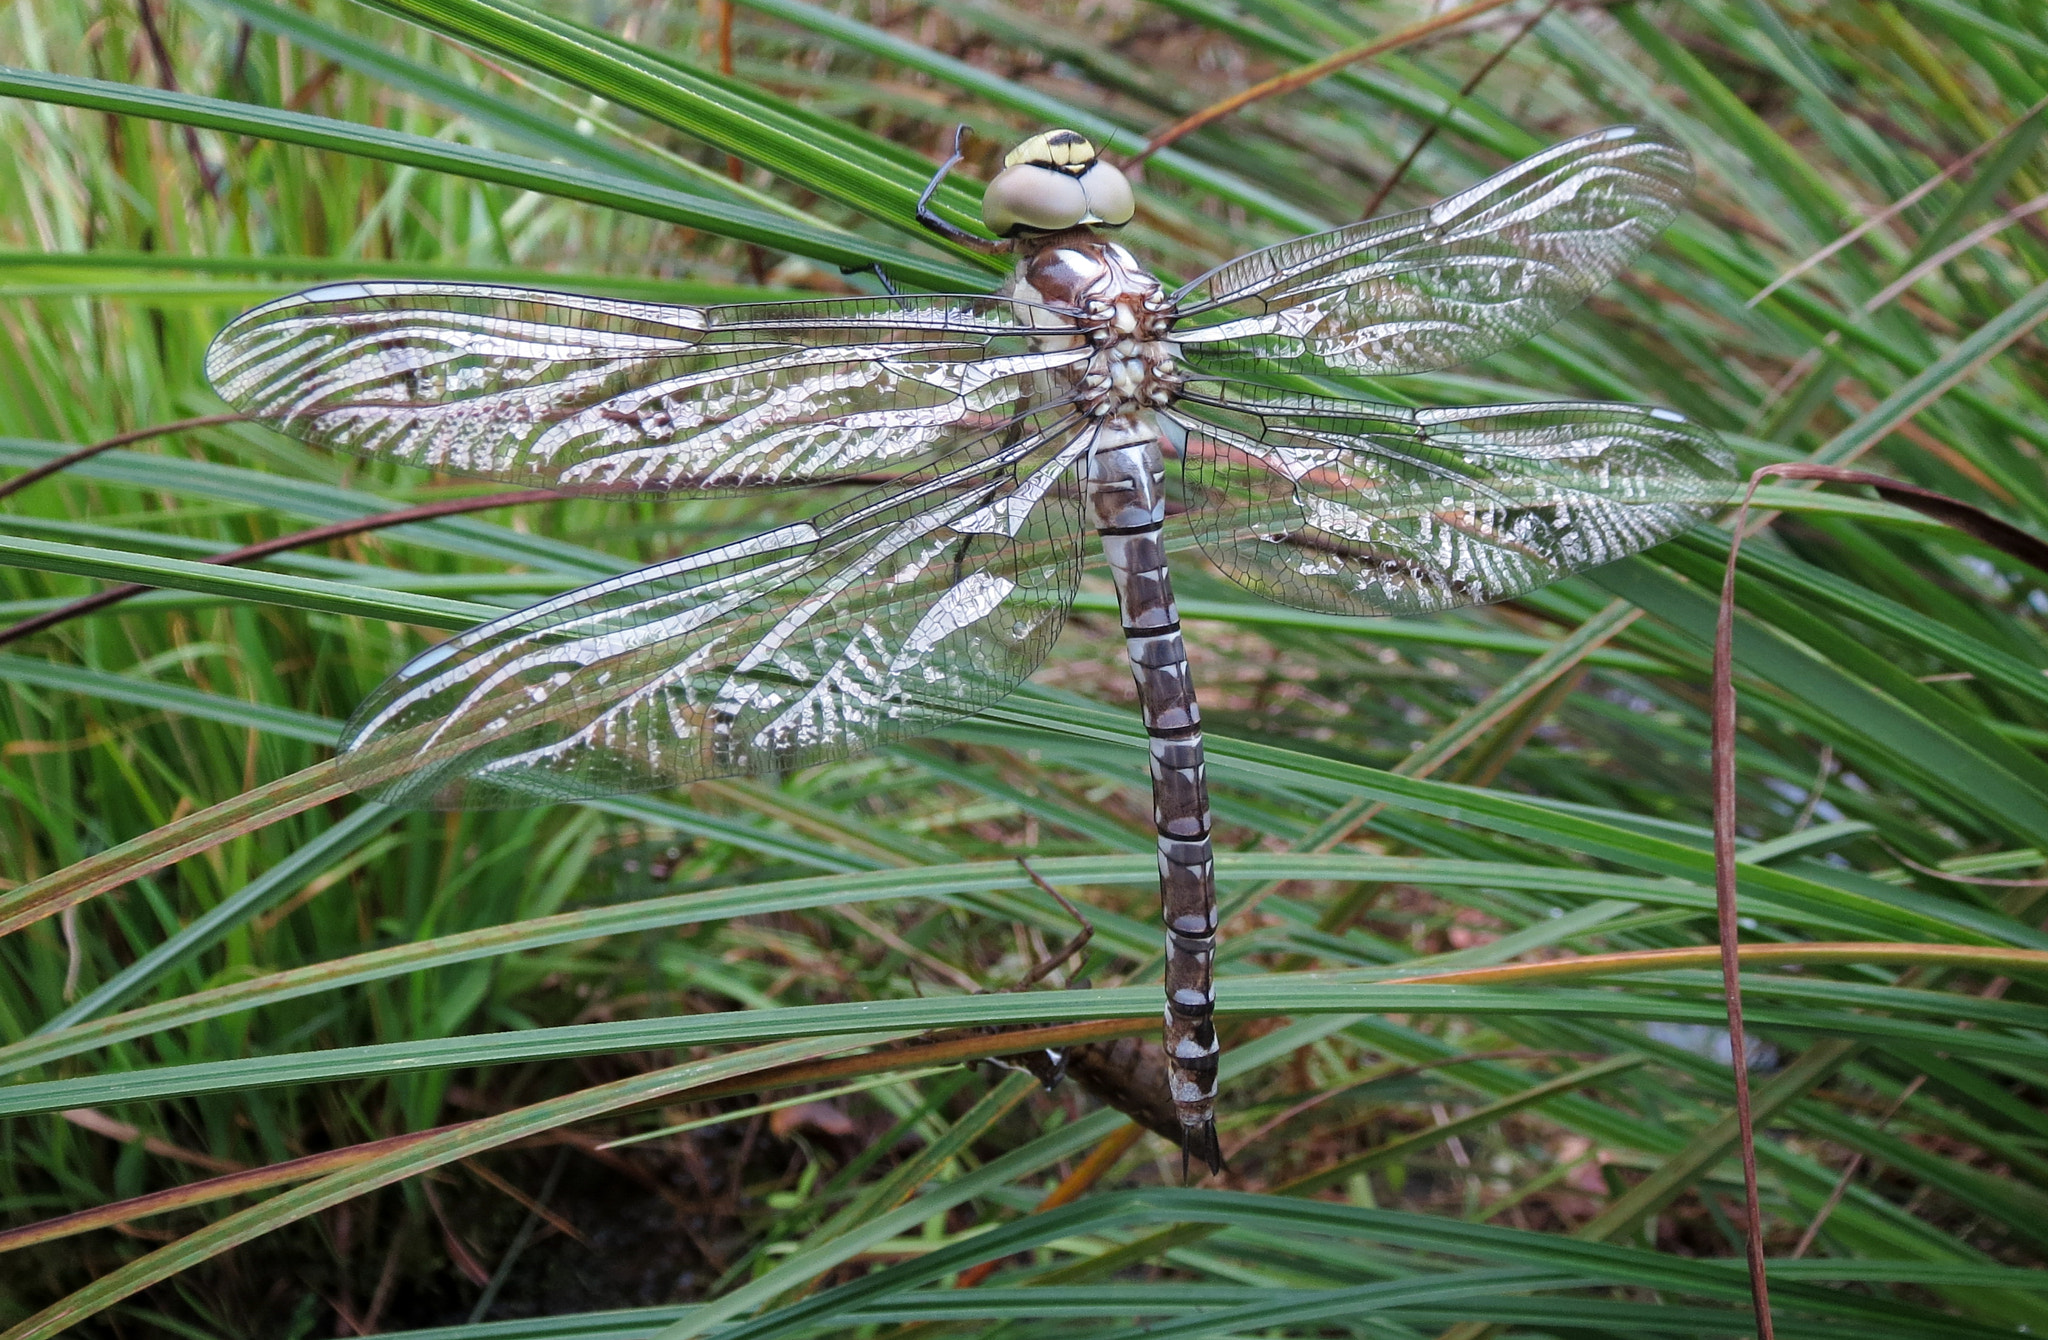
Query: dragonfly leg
pixel 881 276
pixel 1071 947
pixel 950 231
pixel 1049 1064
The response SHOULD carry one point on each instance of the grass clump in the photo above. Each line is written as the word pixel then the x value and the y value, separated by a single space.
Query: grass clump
pixel 597 1013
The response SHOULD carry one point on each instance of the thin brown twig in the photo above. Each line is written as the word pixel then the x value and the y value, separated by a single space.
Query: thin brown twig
pixel 200 1193
pixel 931 962
pixel 734 168
pixel 459 1252
pixel 1818 789
pixel 335 530
pixel 1849 1173
pixel 1453 739
pixel 940 1052
pixel 1380 1076
pixel 1968 242
pixel 27 477
pixel 1954 512
pixel 167 76
pixel 535 1207
pixel 1436 124
pixel 1993 990
pixel 1897 206
pixel 1809 952
pixel 99 1123
pixel 387 1280
pixel 1302 76
pixel 1725 915
pixel 1954 878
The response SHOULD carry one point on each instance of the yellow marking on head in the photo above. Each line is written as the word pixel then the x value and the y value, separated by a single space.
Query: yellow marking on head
pixel 1061 150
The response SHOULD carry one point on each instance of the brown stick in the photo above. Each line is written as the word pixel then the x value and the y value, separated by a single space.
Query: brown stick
pixel 1303 76
pixel 200 1193
pixel 1898 206
pixel 1071 947
pixel 167 844
pixel 1705 956
pixel 1820 1218
pixel 1725 917
pixel 167 77
pixel 734 168
pixel 99 1123
pixel 48 468
pixel 1954 512
pixel 336 530
pixel 1379 197
pixel 1937 873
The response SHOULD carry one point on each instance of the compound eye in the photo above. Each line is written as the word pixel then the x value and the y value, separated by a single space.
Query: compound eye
pixel 1109 194
pixel 1033 198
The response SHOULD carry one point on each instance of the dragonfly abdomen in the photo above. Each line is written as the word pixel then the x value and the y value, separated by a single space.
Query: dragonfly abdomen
pixel 1125 491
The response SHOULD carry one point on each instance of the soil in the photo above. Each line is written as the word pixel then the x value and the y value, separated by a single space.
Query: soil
pixel 652 1224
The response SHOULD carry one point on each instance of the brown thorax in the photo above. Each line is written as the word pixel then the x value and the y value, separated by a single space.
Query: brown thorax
pixel 1083 288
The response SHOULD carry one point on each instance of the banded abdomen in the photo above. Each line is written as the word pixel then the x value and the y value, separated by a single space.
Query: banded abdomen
pixel 1125 475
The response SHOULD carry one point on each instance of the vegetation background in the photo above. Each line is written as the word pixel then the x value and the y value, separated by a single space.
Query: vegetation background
pixel 212 1060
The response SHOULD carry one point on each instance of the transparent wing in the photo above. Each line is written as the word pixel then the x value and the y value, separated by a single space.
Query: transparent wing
pixel 905 607
pixel 566 391
pixel 1478 272
pixel 1355 508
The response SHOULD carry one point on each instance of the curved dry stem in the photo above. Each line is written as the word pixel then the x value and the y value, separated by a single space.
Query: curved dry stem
pixel 10 487
pixel 299 539
pixel 1302 76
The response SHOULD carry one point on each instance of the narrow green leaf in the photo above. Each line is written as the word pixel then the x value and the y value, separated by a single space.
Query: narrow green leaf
pixel 550 134
pixel 564 180
pixel 461 1142
pixel 270 588
pixel 305 863
pixel 1263 996
pixel 284 722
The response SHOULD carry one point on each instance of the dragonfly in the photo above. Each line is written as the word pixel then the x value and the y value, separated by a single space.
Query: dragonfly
pixel 991 431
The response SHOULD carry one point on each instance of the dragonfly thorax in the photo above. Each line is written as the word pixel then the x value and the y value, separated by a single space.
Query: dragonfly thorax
pixel 1082 290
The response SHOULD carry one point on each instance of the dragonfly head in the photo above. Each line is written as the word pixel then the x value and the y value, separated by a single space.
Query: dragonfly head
pixel 1052 182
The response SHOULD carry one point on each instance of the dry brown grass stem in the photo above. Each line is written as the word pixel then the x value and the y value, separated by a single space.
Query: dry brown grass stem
pixel 1302 76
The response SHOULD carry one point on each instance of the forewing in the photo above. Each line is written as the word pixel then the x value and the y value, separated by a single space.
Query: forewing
pixel 906 607
pixel 567 391
pixel 1376 509
pixel 1470 275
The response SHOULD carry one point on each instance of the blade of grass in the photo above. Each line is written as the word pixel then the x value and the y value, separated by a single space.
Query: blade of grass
pixel 1496 990
pixel 566 181
pixel 409 1161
